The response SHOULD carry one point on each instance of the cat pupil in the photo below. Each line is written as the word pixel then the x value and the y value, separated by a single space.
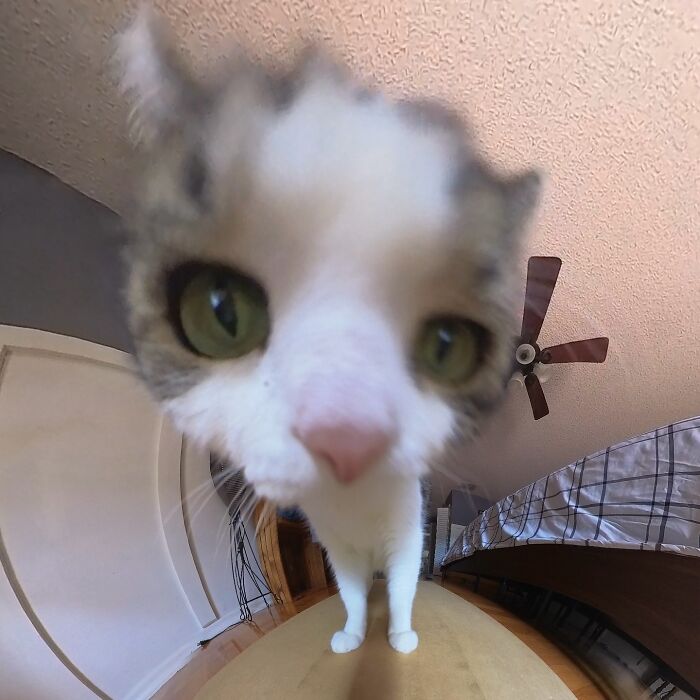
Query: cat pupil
pixel 444 344
pixel 222 302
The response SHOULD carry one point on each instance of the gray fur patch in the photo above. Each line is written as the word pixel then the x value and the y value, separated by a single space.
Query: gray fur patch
pixel 470 175
pixel 196 178
pixel 432 114
pixel 284 88
pixel 167 368
pixel 312 61
pixel 167 373
pixel 488 271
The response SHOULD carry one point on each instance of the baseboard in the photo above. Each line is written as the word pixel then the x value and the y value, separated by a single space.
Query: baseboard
pixel 159 676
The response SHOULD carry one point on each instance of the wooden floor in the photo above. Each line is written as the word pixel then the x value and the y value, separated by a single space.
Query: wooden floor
pixel 209 660
pixel 575 678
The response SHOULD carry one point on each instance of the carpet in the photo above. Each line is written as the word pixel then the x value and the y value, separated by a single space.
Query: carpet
pixel 463 653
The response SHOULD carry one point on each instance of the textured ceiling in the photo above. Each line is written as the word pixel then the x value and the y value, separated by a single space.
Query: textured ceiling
pixel 604 96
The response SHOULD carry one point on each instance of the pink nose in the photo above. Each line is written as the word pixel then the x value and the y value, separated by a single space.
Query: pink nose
pixel 348 448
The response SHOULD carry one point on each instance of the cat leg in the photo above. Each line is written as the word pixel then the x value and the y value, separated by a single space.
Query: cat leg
pixel 353 573
pixel 403 568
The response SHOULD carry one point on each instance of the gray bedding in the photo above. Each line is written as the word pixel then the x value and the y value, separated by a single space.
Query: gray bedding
pixel 643 493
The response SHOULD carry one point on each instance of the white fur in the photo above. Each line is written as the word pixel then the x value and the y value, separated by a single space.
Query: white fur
pixel 146 76
pixel 368 161
pixel 342 209
pixel 364 205
pixel 374 523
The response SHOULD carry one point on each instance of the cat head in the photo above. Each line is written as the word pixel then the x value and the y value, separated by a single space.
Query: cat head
pixel 319 275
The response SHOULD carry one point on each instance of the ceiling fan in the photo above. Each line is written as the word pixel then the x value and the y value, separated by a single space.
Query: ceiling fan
pixel 542 274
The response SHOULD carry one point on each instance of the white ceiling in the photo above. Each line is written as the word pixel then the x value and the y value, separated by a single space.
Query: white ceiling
pixel 604 97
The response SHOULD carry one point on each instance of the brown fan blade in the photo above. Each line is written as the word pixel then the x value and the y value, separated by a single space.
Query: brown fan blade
pixel 542 274
pixel 591 350
pixel 537 399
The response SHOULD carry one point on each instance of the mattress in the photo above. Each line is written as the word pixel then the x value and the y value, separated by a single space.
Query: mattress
pixel 643 493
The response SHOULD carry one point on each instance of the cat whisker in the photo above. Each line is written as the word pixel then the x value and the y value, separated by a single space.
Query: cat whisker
pixel 204 502
pixel 200 491
pixel 265 512
pixel 458 480
pixel 178 509
pixel 193 502
pixel 244 509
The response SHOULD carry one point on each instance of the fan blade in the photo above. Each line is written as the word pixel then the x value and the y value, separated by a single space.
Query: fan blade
pixel 537 399
pixel 591 350
pixel 542 274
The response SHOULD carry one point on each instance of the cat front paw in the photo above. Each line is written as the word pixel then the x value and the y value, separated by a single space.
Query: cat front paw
pixel 343 642
pixel 404 642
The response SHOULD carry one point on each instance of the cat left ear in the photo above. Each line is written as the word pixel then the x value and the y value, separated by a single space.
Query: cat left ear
pixel 522 194
pixel 164 93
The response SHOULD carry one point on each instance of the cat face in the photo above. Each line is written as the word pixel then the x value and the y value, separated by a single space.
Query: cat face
pixel 319 276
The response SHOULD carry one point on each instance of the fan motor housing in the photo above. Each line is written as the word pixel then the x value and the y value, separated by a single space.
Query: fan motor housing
pixel 526 356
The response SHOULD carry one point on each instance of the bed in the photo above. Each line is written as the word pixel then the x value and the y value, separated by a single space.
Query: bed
pixel 618 530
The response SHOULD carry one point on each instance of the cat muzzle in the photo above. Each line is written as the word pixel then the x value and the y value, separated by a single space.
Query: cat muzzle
pixel 349 449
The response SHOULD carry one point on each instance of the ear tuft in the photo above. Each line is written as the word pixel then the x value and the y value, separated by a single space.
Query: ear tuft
pixel 159 85
pixel 522 196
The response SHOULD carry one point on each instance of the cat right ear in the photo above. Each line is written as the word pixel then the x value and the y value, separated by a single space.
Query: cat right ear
pixel 163 93
pixel 522 194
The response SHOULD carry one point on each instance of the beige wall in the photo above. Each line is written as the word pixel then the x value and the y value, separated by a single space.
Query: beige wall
pixel 114 558
pixel 604 96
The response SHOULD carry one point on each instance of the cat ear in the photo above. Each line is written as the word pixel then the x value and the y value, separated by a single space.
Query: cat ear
pixel 522 194
pixel 163 92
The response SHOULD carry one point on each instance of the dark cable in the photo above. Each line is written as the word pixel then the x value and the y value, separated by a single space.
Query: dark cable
pixel 243 557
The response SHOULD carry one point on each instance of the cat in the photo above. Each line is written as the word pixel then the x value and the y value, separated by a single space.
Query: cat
pixel 319 289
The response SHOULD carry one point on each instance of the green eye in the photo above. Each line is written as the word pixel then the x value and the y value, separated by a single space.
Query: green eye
pixel 449 349
pixel 222 314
